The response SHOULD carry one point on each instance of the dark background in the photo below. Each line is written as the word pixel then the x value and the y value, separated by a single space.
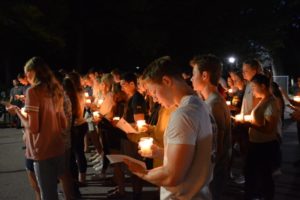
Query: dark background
pixel 106 34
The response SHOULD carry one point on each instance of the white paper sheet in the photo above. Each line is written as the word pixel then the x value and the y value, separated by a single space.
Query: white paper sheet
pixel 126 127
pixel 117 158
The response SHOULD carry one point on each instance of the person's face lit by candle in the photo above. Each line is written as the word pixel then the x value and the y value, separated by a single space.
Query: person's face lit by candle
pixel 161 92
pixel 30 75
pixel 199 79
pixel 248 72
pixel 258 90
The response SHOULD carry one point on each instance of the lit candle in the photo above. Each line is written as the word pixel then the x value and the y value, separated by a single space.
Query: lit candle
pixel 100 102
pixel 228 103
pixel 248 118
pixel 296 98
pixel 145 144
pixel 230 90
pixel 239 117
pixel 23 112
pixel 140 124
pixel 88 101
pixel 116 118
pixel 86 94
pixel 96 114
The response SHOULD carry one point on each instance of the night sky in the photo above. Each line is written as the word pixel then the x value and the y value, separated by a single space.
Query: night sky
pixel 125 34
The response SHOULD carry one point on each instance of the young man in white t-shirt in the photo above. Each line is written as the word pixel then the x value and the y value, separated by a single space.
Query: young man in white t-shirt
pixel 187 168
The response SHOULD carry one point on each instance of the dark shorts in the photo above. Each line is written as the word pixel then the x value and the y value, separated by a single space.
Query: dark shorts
pixel 29 164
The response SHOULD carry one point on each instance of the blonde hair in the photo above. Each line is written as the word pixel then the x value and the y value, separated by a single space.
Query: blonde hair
pixel 108 80
pixel 45 77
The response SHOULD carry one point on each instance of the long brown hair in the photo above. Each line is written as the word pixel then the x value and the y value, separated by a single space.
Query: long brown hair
pixel 72 93
pixel 45 77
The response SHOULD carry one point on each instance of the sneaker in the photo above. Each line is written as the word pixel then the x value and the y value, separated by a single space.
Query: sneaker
pixel 97 177
pixel 91 158
pixel 97 160
pixel 98 164
pixel 99 168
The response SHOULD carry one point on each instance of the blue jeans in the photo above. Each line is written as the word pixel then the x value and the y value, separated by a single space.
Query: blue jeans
pixel 47 173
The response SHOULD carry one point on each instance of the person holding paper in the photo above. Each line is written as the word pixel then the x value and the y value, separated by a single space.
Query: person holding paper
pixel 135 109
pixel 187 167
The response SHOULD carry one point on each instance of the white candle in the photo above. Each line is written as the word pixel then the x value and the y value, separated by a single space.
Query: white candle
pixel 145 144
pixel 296 98
pixel 23 112
pixel 116 118
pixel 88 101
pixel 248 118
pixel 239 117
pixel 140 124
pixel 96 114
pixel 228 103
pixel 100 102
pixel 86 94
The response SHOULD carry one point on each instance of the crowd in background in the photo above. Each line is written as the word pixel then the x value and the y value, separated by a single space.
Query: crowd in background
pixel 200 125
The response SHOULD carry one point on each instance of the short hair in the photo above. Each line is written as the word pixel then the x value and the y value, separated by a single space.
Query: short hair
pixel 261 80
pixel 163 66
pixel 211 64
pixel 129 77
pixel 254 64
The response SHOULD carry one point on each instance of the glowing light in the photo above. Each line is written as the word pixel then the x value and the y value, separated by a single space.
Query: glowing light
pixel 145 144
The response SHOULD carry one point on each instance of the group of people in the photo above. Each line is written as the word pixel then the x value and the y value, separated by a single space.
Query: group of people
pixel 193 122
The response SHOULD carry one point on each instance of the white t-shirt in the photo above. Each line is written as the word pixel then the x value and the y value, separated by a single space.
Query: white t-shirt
pixel 190 124
pixel 259 114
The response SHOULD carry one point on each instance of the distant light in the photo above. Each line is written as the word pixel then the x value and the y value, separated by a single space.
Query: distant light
pixel 137 67
pixel 231 59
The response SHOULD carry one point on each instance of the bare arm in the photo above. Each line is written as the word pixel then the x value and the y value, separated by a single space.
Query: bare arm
pixel 172 173
pixel 268 126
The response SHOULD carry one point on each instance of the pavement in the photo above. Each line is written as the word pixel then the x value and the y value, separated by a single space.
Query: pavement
pixel 14 184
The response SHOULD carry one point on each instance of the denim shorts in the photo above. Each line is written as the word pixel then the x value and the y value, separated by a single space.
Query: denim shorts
pixel 47 172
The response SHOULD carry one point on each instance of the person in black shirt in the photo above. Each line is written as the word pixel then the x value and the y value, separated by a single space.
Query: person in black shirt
pixel 135 109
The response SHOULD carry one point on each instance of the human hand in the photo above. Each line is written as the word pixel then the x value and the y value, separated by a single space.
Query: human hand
pixel 135 168
pixel 156 152
pixel 12 109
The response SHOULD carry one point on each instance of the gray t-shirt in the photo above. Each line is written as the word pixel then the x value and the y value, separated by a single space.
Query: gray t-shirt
pixel 190 124
pixel 221 114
